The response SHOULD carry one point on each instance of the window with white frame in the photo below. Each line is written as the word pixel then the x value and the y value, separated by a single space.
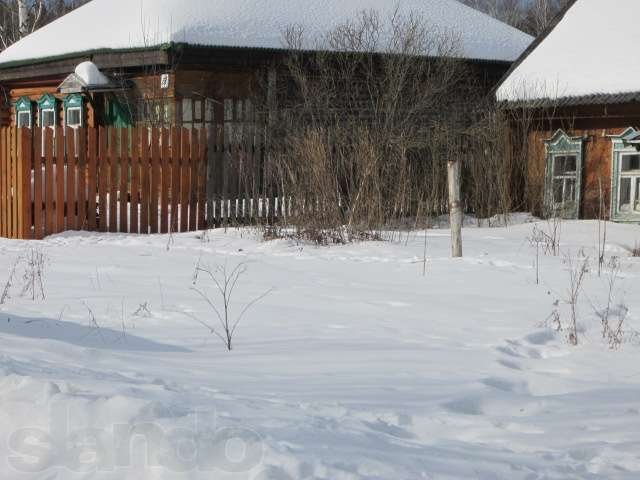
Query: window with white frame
pixel 48 118
pixel 73 117
pixel 23 119
pixel 629 183
pixel 24 115
pixel 565 176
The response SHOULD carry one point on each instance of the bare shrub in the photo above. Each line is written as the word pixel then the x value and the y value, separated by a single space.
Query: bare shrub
pixel 602 228
pixel 547 237
pixel 225 281
pixel 365 127
pixel 635 249
pixel 614 313
pixel 35 262
pixel 6 290
pixel 578 269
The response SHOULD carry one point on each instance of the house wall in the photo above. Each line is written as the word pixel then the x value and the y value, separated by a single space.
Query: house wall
pixel 34 93
pixel 595 124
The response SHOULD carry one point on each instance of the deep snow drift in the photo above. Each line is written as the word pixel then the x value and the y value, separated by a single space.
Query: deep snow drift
pixel 355 366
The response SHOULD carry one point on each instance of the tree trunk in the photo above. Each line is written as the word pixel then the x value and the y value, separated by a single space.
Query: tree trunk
pixel 23 18
pixel 455 208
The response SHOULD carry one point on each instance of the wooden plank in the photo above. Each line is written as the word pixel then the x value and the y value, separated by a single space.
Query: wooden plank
pixel 72 223
pixel 37 185
pixel 193 197
pixel 92 176
pixel 60 180
pixel 166 182
pixel 26 156
pixel 19 185
pixel 155 179
pixel 3 184
pixel 135 181
pixel 81 194
pixel 202 180
pixel 103 178
pixel 185 180
pixel 49 214
pixel 145 181
pixel 175 178
pixel 14 182
pixel 124 180
pixel 113 178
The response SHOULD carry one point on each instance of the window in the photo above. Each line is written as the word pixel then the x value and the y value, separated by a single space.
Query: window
pixel 48 118
pixel 74 117
pixel 23 119
pixel 563 175
pixel 239 119
pixel 24 116
pixel 629 183
pixel 564 179
pixel 197 113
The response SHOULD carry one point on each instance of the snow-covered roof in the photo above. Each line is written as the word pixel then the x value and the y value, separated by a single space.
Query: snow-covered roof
pixel 588 55
pixel 86 76
pixel 131 24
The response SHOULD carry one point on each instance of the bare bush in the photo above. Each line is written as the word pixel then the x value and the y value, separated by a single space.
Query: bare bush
pixel 35 262
pixel 225 281
pixel 578 269
pixel 602 228
pixel 366 126
pixel 547 238
pixel 6 290
pixel 614 313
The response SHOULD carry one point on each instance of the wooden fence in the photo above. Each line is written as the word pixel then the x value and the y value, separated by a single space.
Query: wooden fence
pixel 139 180
pixel 116 180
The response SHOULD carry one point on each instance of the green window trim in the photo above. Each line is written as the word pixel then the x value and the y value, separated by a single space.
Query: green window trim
pixel 47 103
pixel 562 145
pixel 619 150
pixel 24 105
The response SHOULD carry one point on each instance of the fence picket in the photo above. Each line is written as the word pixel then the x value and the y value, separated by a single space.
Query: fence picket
pixel 37 185
pixel 175 178
pixel 71 179
pixel 145 181
pixel 134 226
pixel 185 173
pixel 92 172
pixel 60 183
pixel 155 179
pixel 123 189
pixel 81 177
pixel 113 180
pixel 103 180
pixel 202 180
pixel 193 184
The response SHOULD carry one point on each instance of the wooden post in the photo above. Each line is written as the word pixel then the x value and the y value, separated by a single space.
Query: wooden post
pixel 455 208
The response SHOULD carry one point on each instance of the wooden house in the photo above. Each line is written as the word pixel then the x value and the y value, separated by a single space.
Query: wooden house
pixel 137 67
pixel 195 62
pixel 580 89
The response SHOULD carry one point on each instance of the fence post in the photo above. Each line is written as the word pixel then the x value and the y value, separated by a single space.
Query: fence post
pixel 455 207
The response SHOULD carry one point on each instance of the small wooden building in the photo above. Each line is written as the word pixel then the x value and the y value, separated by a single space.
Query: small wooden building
pixel 578 89
pixel 195 62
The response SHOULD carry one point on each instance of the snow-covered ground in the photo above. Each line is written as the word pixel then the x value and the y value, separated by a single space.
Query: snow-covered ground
pixel 355 366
